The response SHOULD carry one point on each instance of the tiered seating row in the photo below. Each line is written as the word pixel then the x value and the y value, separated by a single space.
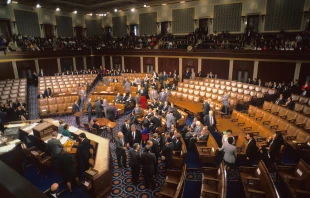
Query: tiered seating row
pixel 13 89
pixel 301 99
pixel 207 151
pixel 56 106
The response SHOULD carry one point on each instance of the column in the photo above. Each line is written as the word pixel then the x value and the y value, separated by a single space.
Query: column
pixel 59 65
pixel 74 64
pixel 85 63
pixel 15 69
pixel 255 69
pixel 123 63
pixel 103 61
pixel 156 64
pixel 180 69
pixel 111 62
pixel 231 67
pixel 141 64
pixel 297 70
pixel 199 64
pixel 36 62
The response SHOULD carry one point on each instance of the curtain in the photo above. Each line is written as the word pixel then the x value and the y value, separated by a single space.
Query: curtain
pixel 49 30
pixel 64 26
pixel 27 23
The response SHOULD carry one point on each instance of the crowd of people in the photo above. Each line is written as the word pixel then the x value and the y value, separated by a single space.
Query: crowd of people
pixel 13 111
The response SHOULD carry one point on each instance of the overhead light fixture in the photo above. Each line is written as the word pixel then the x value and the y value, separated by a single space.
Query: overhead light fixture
pixel 38 6
pixel 104 14
pixel 8 2
pixel 164 4
pixel 144 6
pixel 115 10
pixel 57 9
pixel 182 2
pixel 132 10
pixel 75 12
pixel 90 14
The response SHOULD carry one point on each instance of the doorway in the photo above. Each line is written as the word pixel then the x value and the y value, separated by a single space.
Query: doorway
pixel 252 24
pixel 133 30
pixel 49 31
pixel 203 25
pixel 79 32
pixel 164 27
pixel 243 76
pixel 149 68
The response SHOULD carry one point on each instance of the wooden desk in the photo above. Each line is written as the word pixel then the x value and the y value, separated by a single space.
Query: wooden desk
pixel 225 124
pixel 101 184
pixel 106 122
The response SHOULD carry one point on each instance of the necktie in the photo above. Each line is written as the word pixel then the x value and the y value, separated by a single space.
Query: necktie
pixel 211 120
pixel 133 135
pixel 123 142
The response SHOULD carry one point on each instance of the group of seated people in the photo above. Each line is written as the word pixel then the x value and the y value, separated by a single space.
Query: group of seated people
pixel 13 111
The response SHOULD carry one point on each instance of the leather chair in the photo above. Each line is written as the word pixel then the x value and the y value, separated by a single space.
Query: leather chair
pixel 239 85
pixel 44 163
pixel 190 91
pixel 298 107
pixel 42 102
pixel 67 99
pixel 217 86
pixel 43 111
pixel 61 108
pixel 202 88
pixel 185 90
pixel 180 89
pixel 51 101
pixel 59 100
pixel 211 85
pixel 227 82
pixel 306 111
pixel 53 111
pixel 185 85
pixel 209 89
pixel 283 112
pixel 234 89
pixel 223 86
pixel 214 90
pixel 301 120
pixel 295 97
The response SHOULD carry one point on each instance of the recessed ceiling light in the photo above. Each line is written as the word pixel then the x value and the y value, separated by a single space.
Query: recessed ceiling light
pixel 132 10
pixel 104 14
pixel 75 12
pixel 8 2
pixel 57 9
pixel 38 6
pixel 115 10
pixel 182 2
pixel 90 14
pixel 164 4
pixel 144 6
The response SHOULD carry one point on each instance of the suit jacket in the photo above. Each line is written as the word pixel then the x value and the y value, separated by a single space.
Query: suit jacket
pixel 251 150
pixel 176 114
pixel 177 145
pixel 155 121
pixel 138 138
pixel 127 86
pixel 198 130
pixel 280 101
pixel 230 152
pixel 155 147
pixel 83 149
pixel 206 109
pixel 75 108
pixel 146 123
pixel 167 152
pixel 225 100
pixel 206 120
pixel 290 105
pixel 162 96
pixel 41 96
pixel 54 147
pixel 48 93
pixel 89 107
pixel 110 113
pixel 137 111
pixel 148 162
pixel 134 158
pixel 97 105
pixel 124 129
pixel 119 145
pixel 170 120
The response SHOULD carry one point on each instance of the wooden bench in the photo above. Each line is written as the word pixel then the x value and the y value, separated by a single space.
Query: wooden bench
pixel 207 150
pixel 257 181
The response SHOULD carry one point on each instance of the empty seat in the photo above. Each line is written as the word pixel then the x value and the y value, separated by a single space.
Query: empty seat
pixel 303 100
pixel 51 101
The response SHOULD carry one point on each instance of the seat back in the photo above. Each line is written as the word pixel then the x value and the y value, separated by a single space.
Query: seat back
pixel 295 97
pixel 303 100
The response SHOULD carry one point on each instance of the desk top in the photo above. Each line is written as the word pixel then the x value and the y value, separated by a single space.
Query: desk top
pixel 225 124
pixel 105 122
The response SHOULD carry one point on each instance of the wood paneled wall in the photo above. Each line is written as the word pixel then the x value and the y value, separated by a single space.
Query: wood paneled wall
pixel 148 61
pixel 6 71
pixel 66 64
pixel 275 71
pixel 79 62
pixel 93 61
pixel 25 68
pixel 242 66
pixel 132 63
pixel 117 60
pixel 189 63
pixel 49 66
pixel 168 65
pixel 107 62
pixel 219 67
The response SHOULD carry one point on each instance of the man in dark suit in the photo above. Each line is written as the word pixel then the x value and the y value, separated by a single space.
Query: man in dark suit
pixel 75 109
pixel 147 122
pixel 154 148
pixel 98 108
pixel 41 96
pixel 206 108
pixel 289 104
pixel 210 121
pixel 89 108
pixel 167 153
pixel 135 113
pixel 83 150
pixel 272 148
pixel 110 113
pixel 121 150
pixel 251 150
pixel 52 193
pixel 54 146
pixel 48 92
pixel 155 120
pixel 134 136
pixel 148 162
pixel 280 100
pixel 177 143
pixel 125 128
pixel 134 163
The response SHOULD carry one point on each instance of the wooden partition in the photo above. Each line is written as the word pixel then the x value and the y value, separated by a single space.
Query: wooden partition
pixel 79 62
pixel 66 64
pixel 49 66
pixel 6 71
pixel 219 67
pixel 132 63
pixel 148 61
pixel 168 64
pixel 189 63
pixel 24 67
pixel 93 61
pixel 244 67
pixel 275 71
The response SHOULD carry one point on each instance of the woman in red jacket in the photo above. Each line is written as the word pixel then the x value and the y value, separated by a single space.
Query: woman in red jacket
pixel 143 102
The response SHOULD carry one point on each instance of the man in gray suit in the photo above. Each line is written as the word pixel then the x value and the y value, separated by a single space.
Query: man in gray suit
pixel 98 108
pixel 121 150
pixel 89 108
pixel 162 96
pixel 134 114
pixel 104 106
pixel 127 86
pixel 225 103
pixel 230 151
pixel 170 120
pixel 198 128
pixel 54 146
pixel 153 95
